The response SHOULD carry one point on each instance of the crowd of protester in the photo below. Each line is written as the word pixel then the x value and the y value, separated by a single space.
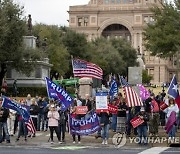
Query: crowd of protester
pixel 48 115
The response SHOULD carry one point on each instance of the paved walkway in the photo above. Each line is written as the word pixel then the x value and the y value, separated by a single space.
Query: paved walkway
pixel 41 140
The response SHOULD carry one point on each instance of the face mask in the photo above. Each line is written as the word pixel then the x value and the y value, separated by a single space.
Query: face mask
pixel 171 105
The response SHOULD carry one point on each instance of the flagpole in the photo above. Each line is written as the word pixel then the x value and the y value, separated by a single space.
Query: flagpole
pixel 73 69
pixel 72 64
pixel 47 87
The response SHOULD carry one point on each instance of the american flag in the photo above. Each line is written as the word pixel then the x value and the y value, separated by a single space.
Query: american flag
pixel 83 68
pixel 132 97
pixel 30 126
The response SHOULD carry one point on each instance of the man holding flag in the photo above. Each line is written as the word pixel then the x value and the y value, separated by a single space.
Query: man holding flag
pixel 24 115
pixel 133 101
pixel 113 92
pixel 56 92
pixel 4 113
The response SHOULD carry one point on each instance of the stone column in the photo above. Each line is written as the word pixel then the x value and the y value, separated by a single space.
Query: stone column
pixel 135 40
pixel 140 43
pixel 85 87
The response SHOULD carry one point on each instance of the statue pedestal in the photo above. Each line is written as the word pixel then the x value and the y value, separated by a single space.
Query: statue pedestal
pixel 134 75
pixel 30 41
pixel 36 78
pixel 85 87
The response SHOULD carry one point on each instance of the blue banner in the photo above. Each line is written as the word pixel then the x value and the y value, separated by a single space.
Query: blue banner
pixel 85 126
pixel 58 93
pixel 114 88
pixel 23 110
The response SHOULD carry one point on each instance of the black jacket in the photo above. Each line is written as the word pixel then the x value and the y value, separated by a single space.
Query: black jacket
pixel 34 109
pixel 41 107
pixel 4 115
pixel 87 103
pixel 63 117
pixel 104 118
pixel 122 108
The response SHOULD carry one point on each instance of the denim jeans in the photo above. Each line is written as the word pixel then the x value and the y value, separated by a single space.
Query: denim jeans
pixel 3 126
pixel 22 129
pixel 142 133
pixel 114 122
pixel 105 131
pixel 172 132
pixel 62 130
pixel 99 131
pixel 45 124
pixel 39 121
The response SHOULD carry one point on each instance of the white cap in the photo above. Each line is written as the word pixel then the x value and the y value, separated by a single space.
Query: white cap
pixel 142 109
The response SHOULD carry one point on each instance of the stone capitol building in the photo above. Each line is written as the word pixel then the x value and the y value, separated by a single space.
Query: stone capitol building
pixel 122 19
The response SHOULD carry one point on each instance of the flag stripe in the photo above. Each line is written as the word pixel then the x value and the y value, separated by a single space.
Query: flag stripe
pixel 87 72
pixel 88 69
pixel 30 126
pixel 87 75
pixel 132 97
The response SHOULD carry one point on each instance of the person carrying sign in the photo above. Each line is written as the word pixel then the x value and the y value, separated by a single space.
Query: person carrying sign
pixel 4 113
pixel 73 112
pixel 22 127
pixel 121 117
pixel 104 123
pixel 142 128
pixel 154 116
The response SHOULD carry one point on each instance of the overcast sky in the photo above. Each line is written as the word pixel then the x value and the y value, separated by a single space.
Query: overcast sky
pixel 49 11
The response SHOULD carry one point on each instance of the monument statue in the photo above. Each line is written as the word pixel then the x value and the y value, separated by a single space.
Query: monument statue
pixel 138 50
pixel 29 24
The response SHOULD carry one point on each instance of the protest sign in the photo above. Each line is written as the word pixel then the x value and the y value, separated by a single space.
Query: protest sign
pixel 112 109
pixel 136 121
pixel 85 126
pixel 81 109
pixel 101 102
pixel 163 106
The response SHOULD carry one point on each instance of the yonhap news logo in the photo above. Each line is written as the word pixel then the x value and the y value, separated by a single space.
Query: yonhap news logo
pixel 119 140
